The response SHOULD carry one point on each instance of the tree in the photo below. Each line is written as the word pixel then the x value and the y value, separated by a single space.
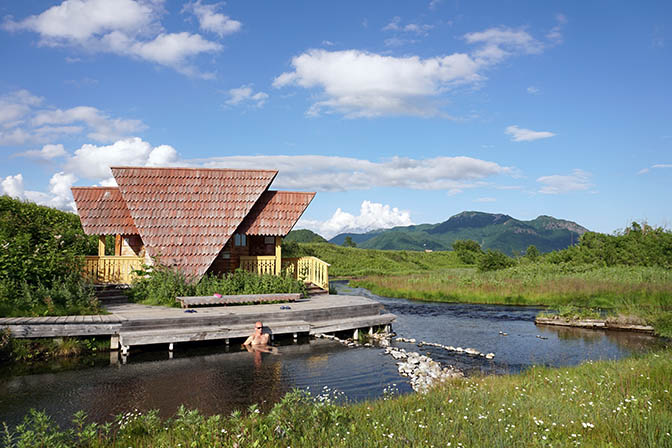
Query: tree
pixel 348 242
pixel 494 260
pixel 468 251
pixel 532 252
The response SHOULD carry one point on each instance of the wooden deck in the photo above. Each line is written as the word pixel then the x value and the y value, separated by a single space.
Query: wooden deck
pixel 133 324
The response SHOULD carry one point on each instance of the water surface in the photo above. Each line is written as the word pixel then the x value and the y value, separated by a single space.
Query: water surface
pixel 219 379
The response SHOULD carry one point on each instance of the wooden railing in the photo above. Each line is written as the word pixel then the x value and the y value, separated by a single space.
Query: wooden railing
pixel 261 264
pixel 111 269
pixel 309 269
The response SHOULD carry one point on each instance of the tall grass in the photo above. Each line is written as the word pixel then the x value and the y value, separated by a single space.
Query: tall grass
pixel 353 262
pixel 625 403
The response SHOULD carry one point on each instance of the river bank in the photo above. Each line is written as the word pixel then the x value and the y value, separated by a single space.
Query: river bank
pixel 638 292
pixel 607 403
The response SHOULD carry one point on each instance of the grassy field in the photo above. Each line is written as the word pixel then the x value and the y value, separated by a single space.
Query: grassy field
pixel 625 403
pixel 353 262
pixel 644 292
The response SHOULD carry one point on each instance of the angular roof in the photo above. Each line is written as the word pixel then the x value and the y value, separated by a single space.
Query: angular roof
pixel 186 215
pixel 275 213
pixel 103 211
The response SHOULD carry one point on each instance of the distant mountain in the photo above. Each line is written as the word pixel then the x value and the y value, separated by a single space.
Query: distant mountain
pixel 491 231
pixel 304 236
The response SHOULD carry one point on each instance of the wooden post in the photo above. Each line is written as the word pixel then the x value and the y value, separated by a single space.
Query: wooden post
pixel 278 255
pixel 114 342
pixel 101 245
pixel 355 334
pixel 117 245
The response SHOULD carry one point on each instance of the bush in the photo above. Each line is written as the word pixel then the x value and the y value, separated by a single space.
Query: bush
pixel 468 251
pixel 494 260
pixel 40 261
pixel 160 285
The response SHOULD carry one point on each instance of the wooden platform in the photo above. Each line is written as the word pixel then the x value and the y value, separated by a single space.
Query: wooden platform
pixel 239 299
pixel 133 324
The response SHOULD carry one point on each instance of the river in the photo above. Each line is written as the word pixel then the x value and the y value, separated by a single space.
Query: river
pixel 218 379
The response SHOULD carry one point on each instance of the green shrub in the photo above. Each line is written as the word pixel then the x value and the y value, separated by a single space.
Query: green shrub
pixel 160 285
pixel 494 260
pixel 40 261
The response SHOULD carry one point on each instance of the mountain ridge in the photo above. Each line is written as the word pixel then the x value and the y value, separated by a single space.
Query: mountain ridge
pixel 490 230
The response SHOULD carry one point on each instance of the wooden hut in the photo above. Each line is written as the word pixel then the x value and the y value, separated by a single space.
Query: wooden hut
pixel 196 220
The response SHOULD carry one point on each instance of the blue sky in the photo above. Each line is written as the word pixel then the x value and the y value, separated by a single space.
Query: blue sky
pixel 395 112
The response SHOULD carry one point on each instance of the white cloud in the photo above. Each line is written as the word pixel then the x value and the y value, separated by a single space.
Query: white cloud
pixel 94 162
pixel 371 216
pixel 487 199
pixel 526 135
pixel 25 119
pixel 59 195
pixel 653 167
pixel 13 186
pixel 500 43
pixel 433 4
pixel 417 28
pixel 245 94
pixel 124 27
pixel 47 152
pixel 333 173
pixel 210 20
pixel 532 90
pixel 16 105
pixel 579 180
pixel 361 84
pixel 103 128
pixel 555 34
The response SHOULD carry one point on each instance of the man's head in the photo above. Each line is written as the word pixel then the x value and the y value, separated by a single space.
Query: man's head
pixel 258 326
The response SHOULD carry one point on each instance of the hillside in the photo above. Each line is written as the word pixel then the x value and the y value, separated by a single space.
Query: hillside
pixel 304 236
pixel 491 231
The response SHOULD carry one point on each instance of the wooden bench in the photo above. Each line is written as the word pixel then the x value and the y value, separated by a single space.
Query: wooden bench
pixel 187 302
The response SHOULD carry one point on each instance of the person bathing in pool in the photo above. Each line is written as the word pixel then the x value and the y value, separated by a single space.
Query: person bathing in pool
pixel 258 338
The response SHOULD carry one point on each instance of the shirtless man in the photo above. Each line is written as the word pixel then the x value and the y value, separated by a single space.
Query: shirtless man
pixel 258 337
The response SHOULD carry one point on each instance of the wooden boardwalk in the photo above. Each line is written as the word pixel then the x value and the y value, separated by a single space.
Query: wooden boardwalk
pixel 133 324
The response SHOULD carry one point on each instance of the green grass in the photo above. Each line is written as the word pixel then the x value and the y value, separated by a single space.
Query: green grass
pixel 645 292
pixel 625 403
pixel 355 262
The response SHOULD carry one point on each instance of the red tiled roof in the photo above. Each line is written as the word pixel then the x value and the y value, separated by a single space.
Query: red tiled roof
pixel 186 215
pixel 103 211
pixel 275 213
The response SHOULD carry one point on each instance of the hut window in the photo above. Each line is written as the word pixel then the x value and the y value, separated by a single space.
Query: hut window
pixel 240 239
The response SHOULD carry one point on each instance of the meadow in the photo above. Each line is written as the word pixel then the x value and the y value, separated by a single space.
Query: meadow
pixel 625 403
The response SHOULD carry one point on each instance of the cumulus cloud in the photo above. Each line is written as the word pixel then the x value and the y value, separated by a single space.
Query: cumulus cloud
pixel 654 167
pixel 333 173
pixel 59 195
pixel 245 95
pixel 210 20
pixel 124 27
pixel 361 84
pixel 372 216
pixel 532 90
pixel 555 34
pixel 578 180
pixel 526 135
pixel 94 162
pixel 16 105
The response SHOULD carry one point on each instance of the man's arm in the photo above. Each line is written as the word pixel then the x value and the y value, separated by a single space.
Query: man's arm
pixel 249 340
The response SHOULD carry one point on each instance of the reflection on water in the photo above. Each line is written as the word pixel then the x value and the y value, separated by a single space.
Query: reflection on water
pixel 218 379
